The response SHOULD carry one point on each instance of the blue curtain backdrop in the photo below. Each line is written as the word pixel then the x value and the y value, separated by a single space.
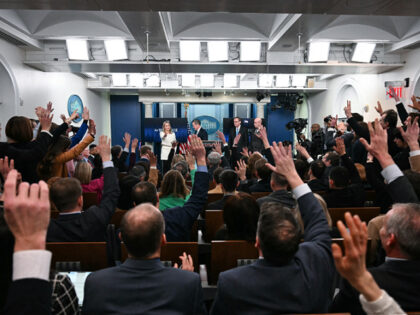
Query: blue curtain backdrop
pixel 125 117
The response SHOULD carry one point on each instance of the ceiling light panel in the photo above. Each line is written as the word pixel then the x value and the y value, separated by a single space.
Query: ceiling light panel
pixel 189 50
pixel 119 79
pixel 250 51
pixel 77 49
pixel 282 80
pixel 318 51
pixel 136 79
pixel 363 52
pixel 207 80
pixel 116 49
pixel 152 80
pixel 188 79
pixel 218 51
pixel 299 80
pixel 230 80
pixel 265 80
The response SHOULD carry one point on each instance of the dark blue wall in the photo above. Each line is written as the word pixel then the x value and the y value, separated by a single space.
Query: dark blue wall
pixel 125 117
pixel 276 123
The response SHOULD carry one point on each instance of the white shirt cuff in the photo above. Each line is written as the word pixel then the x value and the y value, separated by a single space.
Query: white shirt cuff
pixel 301 190
pixel 391 173
pixel 46 131
pixel 31 264
pixel 415 153
pixel 309 160
pixel 107 164
pixel 384 305
pixel 126 150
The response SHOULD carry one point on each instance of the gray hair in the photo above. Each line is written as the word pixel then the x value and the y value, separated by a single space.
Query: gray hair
pixel 404 223
pixel 182 167
pixel 214 158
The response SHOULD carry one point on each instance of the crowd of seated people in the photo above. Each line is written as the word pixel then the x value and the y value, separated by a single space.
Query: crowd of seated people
pixel 265 198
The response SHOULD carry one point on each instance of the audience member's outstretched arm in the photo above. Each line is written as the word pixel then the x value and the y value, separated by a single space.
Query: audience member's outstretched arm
pixel 27 214
pixel 353 123
pixel 267 152
pixel 352 267
pixel 398 185
pixel 153 172
pixel 314 220
pixel 82 130
pixel 340 148
pixel 411 136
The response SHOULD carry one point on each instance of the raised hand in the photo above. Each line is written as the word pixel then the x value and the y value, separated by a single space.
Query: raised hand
pixel 152 159
pixel 411 135
pixel 241 169
pixel 92 127
pixel 73 116
pixel 198 150
pixel 46 121
pixel 245 152
pixel 334 121
pixel 6 167
pixel 379 108
pixel 284 164
pixel 378 146
pixel 127 139
pixel 174 144
pixel 27 213
pixel 416 104
pixel 394 94
pixel 104 148
pixel 302 150
pixel 134 144
pixel 190 160
pixel 187 262
pixel 339 147
pixel 221 136
pixel 236 140
pixel 85 114
pixel 347 110
pixel 218 147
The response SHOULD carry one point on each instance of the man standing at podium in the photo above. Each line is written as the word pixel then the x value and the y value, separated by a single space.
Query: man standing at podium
pixel 200 132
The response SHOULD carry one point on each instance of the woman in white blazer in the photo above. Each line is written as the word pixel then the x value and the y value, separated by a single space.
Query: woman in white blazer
pixel 168 137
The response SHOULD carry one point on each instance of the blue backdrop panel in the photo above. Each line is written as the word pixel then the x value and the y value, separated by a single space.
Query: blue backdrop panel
pixel 153 126
pixel 125 117
pixel 276 123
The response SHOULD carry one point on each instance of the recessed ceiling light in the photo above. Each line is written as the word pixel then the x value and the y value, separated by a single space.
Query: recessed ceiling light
pixel 250 51
pixel 77 49
pixel 189 50
pixel 318 51
pixel 363 52
pixel 218 50
pixel 115 49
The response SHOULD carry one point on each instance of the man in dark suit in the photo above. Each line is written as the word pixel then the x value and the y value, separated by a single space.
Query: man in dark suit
pixel 263 177
pixel 280 194
pixel 144 285
pixel 316 170
pixel 290 269
pixel 73 225
pixel 237 130
pixel 256 144
pixel 399 275
pixel 200 132
pixel 229 181
pixel 179 220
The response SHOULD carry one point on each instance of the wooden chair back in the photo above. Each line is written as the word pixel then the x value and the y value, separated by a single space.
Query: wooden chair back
pixel 225 255
pixel 91 255
pixel 365 213
pixel 89 199
pixel 212 198
pixel 214 221
pixel 171 252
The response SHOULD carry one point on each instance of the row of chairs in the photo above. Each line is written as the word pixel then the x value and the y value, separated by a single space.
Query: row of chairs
pixel 92 256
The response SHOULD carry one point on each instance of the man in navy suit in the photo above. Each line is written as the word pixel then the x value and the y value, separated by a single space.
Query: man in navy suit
pixel 290 277
pixel 200 132
pixel 142 285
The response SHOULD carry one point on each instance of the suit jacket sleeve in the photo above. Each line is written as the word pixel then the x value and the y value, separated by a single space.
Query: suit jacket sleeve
pixel 358 129
pixel 402 112
pixel 179 220
pixel 121 161
pixel 110 196
pixel 219 307
pixel 401 191
pixel 153 176
pixel 75 151
pixel 347 300
pixel 29 296
pixel 79 135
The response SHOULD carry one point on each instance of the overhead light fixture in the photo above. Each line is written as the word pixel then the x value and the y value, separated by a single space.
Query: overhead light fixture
pixel 119 79
pixel 218 50
pixel 363 52
pixel 230 80
pixel 115 49
pixel 136 79
pixel 207 80
pixel 265 80
pixel 250 51
pixel 299 80
pixel 189 50
pixel 152 80
pixel 90 75
pixel 318 51
pixel 77 49
pixel 282 80
pixel 188 79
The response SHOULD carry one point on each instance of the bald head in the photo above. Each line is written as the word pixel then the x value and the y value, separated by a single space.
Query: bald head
pixel 257 123
pixel 142 229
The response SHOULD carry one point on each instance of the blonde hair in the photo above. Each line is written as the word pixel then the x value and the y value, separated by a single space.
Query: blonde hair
pixel 173 184
pixel 170 126
pixel 83 172
pixel 177 158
